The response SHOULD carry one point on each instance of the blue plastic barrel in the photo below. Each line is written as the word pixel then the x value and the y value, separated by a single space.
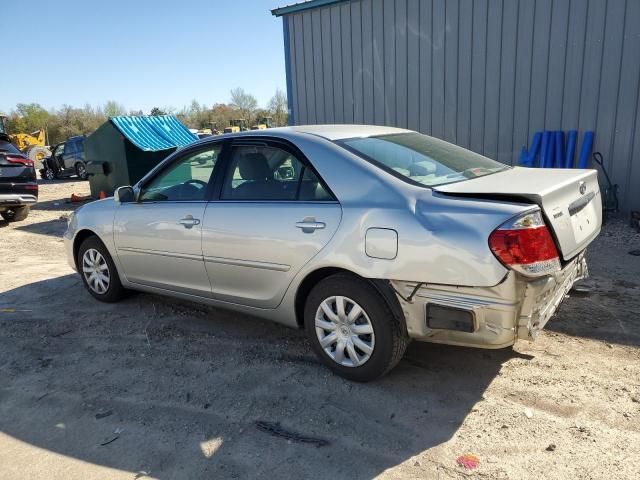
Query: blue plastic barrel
pixel 572 137
pixel 558 160
pixel 585 150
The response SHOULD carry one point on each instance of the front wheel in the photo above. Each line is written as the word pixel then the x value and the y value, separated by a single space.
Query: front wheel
pixel 352 329
pixel 81 171
pixel 48 174
pixel 98 271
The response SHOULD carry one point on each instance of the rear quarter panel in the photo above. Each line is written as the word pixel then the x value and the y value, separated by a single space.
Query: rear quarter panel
pixel 441 239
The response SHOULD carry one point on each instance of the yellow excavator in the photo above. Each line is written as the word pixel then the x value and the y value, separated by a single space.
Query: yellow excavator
pixel 237 125
pixel 263 123
pixel 33 145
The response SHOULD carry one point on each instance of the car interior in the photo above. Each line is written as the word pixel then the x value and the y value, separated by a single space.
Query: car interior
pixel 268 173
pixel 255 173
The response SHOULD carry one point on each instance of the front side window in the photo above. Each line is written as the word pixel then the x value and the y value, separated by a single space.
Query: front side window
pixel 422 159
pixel 185 180
pixel 59 151
pixel 270 173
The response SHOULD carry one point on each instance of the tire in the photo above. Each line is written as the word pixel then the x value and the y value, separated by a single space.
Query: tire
pixel 81 171
pixel 37 154
pixel 387 342
pixel 114 290
pixel 16 214
pixel 48 174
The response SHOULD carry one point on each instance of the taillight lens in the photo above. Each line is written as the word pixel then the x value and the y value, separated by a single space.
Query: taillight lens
pixel 19 160
pixel 525 245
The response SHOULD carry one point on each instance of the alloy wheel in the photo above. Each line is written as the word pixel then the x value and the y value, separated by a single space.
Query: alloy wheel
pixel 96 271
pixel 344 331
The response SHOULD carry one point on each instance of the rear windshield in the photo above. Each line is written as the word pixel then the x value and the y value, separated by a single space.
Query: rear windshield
pixel 421 159
pixel 6 147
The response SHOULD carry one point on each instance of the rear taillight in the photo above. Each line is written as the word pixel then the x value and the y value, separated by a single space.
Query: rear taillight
pixel 19 160
pixel 525 245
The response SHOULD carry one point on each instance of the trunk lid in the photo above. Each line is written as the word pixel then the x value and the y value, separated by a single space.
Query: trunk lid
pixel 570 200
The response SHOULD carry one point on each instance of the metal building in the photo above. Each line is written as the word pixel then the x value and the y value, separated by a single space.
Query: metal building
pixel 484 74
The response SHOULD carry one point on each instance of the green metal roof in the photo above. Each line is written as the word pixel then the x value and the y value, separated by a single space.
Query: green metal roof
pixel 298 7
pixel 154 133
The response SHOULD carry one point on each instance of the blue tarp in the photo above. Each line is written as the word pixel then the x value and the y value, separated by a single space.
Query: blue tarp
pixel 154 133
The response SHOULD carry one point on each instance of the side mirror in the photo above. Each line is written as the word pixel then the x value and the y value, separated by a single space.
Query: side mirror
pixel 124 195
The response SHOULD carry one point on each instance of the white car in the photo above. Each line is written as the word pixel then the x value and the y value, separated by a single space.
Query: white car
pixel 365 236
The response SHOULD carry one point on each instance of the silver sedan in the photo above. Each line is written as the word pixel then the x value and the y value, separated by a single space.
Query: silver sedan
pixel 364 236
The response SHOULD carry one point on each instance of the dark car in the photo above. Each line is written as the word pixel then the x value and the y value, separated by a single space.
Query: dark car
pixel 18 186
pixel 66 160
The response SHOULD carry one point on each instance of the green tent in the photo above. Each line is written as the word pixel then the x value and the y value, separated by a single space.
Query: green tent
pixel 123 149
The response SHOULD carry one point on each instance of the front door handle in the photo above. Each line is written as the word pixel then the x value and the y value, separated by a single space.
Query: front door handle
pixel 310 225
pixel 189 221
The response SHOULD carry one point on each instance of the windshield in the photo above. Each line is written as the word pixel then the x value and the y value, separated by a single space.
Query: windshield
pixel 422 159
pixel 6 147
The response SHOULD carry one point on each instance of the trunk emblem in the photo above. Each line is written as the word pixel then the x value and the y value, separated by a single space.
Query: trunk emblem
pixel 582 187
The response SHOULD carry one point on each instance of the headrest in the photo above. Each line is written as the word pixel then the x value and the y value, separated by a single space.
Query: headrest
pixel 254 166
pixel 422 168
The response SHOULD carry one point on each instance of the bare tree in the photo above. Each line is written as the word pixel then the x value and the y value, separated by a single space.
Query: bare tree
pixel 244 102
pixel 279 108
pixel 114 109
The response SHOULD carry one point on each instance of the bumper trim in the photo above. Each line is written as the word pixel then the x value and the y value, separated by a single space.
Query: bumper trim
pixel 10 199
pixel 517 308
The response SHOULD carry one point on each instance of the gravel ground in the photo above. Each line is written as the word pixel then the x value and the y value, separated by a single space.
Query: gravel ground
pixel 153 387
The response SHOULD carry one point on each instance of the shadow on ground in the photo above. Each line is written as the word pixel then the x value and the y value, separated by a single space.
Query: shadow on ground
pixel 54 228
pixel 185 385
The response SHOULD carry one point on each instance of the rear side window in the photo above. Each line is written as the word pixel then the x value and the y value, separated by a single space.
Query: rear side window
pixel 422 159
pixel 71 147
pixel 270 173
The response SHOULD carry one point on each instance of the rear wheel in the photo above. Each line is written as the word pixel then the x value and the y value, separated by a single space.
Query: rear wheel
pixel 81 171
pixel 352 329
pixel 98 271
pixel 16 214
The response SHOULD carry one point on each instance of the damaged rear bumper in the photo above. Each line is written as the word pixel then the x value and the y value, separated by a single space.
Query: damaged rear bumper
pixel 517 308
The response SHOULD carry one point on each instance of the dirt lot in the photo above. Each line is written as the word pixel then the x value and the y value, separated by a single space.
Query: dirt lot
pixel 184 385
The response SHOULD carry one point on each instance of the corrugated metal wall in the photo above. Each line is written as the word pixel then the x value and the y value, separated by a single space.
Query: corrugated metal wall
pixel 484 74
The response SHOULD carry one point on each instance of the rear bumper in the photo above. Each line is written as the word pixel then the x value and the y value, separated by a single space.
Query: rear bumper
pixel 17 199
pixel 517 308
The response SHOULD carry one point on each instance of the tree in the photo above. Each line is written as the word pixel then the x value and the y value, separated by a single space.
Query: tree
pixel 244 102
pixel 156 112
pixel 279 108
pixel 114 109
pixel 27 118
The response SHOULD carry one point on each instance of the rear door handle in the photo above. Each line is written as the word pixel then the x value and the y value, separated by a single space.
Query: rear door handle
pixel 310 225
pixel 189 221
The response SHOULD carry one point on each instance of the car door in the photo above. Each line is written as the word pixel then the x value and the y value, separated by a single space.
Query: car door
pixel 68 155
pixel 159 237
pixel 273 215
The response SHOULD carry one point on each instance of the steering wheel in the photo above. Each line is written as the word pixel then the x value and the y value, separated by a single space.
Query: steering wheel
pixel 192 189
pixel 196 182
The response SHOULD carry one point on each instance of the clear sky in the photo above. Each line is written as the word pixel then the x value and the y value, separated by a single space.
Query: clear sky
pixel 140 53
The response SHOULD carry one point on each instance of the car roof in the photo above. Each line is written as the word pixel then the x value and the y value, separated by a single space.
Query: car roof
pixel 330 132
